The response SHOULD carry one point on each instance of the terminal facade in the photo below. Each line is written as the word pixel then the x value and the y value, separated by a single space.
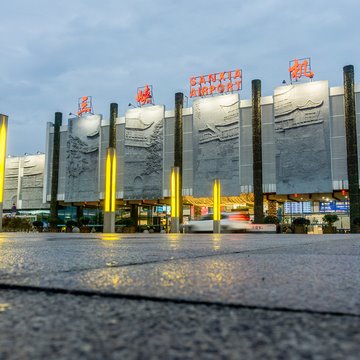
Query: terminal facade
pixel 304 155
pixel 294 151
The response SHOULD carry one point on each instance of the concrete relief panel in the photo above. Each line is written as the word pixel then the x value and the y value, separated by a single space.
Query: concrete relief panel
pixel 32 181
pixel 82 159
pixel 11 181
pixel 216 144
pixel 302 138
pixel 143 160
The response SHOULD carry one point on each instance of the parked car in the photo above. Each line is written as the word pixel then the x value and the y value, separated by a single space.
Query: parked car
pixel 229 222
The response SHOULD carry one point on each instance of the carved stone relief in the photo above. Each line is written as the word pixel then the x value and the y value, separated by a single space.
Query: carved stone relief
pixel 216 144
pixel 144 153
pixel 82 159
pixel 302 138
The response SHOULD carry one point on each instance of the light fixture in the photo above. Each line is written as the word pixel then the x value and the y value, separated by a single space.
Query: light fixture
pixel 110 181
pixel 216 209
pixel 175 199
pixel 216 193
pixel 3 133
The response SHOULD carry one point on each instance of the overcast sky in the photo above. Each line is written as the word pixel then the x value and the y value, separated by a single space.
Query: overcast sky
pixel 54 52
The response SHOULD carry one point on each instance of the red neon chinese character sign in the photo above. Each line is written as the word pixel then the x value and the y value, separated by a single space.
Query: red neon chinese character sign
pixel 216 83
pixel 144 95
pixel 85 105
pixel 299 69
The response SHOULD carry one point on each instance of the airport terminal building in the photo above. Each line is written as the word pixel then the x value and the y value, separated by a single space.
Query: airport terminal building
pixel 24 184
pixel 304 155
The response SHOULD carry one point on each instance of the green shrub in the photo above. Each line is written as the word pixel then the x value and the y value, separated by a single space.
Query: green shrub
pixel 71 223
pixel 271 220
pixel 301 221
pixel 125 222
pixel 84 221
pixel 14 223
pixel 329 219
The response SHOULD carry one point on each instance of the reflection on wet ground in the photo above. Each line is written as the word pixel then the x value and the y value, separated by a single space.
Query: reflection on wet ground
pixel 304 272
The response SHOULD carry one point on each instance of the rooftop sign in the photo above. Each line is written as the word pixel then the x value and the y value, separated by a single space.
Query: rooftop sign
pixel 145 95
pixel 216 83
pixel 85 105
pixel 300 68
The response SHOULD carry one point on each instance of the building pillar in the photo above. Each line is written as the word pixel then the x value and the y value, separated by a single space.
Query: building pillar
pixel 54 207
pixel 110 174
pixel 351 144
pixel 257 152
pixel 216 211
pixel 134 215
pixel 79 213
pixel 175 199
pixel 178 146
pixel 112 132
pixel 3 137
pixel 110 191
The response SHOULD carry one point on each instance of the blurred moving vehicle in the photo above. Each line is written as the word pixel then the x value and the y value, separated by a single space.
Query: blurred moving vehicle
pixel 229 222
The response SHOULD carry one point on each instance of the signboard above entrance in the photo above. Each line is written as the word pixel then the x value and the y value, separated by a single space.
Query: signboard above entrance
pixel 216 83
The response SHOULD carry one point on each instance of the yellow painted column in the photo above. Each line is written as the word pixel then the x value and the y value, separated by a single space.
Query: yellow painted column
pixel 217 203
pixel 175 199
pixel 3 137
pixel 110 191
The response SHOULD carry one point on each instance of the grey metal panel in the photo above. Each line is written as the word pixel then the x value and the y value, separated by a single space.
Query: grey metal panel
pixel 144 153
pixel 303 160
pixel 120 151
pixel 269 158
pixel 268 147
pixel 245 149
pixel 63 179
pixel 246 135
pixel 216 144
pixel 187 154
pixel 338 140
pixel 340 169
pixel 104 144
pixel 169 124
pixel 338 147
pixel 245 115
pixel 338 127
pixel 337 105
pixel 49 157
pixel 357 106
pixel 357 102
pixel 46 166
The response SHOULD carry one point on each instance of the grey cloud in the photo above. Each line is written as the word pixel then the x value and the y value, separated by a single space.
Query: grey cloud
pixel 53 53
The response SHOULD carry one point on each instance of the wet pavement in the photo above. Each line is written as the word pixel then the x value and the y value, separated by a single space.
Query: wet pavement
pixel 150 296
